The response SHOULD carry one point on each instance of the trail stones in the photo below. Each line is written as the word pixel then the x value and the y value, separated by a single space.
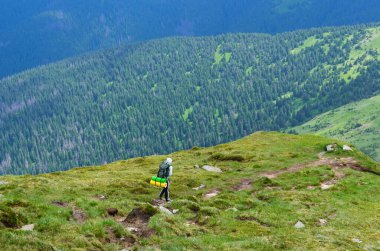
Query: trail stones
pixel 196 166
pixel 299 225
pixel 322 222
pixel 200 187
pixel 3 182
pixel 175 211
pixel 165 210
pixel 347 148
pixel 27 227
pixel 112 211
pixel 212 193
pixel 332 147
pixel 212 169
pixel 355 240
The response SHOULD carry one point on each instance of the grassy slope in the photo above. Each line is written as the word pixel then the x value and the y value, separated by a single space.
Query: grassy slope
pixel 357 123
pixel 351 207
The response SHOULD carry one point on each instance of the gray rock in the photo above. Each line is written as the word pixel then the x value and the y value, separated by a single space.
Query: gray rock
pixel 323 237
pixel 332 147
pixel 356 240
pixel 322 222
pixel 212 169
pixel 299 225
pixel 175 211
pixel 196 166
pixel 1 195
pixel 3 182
pixel 347 148
pixel 132 229
pixel 165 210
pixel 28 227
pixel 200 187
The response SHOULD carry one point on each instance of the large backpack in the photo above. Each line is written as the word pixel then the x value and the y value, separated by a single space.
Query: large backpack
pixel 163 170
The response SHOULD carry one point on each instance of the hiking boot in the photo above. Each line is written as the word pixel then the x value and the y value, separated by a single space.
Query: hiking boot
pixel 168 200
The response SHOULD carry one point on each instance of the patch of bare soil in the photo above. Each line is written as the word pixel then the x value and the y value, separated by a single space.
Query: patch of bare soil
pixel 137 222
pixel 212 193
pixel 125 242
pixel 245 184
pixel 336 164
pixel 252 218
pixel 78 215
pixel 60 203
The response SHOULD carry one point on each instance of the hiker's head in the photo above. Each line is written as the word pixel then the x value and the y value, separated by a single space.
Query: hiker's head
pixel 169 161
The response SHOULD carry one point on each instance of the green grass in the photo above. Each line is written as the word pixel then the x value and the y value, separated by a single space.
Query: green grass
pixel 218 56
pixel 357 123
pixel 186 113
pixel 311 41
pixel 232 220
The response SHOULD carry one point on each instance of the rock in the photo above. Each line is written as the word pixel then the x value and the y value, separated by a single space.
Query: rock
pixel 196 166
pixel 132 229
pixel 165 210
pixel 3 182
pixel 212 169
pixel 28 227
pixel 347 148
pixel 175 211
pixel 299 225
pixel 212 193
pixel 1 195
pixel 326 186
pixel 112 211
pixel 200 187
pixel 356 240
pixel 322 222
pixel 332 147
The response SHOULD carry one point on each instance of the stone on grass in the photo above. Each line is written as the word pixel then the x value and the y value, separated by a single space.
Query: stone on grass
pixel 347 148
pixel 196 166
pixel 212 169
pixel 356 240
pixel 165 210
pixel 299 225
pixel 322 222
pixel 200 187
pixel 28 227
pixel 332 147
pixel 175 211
pixel 3 182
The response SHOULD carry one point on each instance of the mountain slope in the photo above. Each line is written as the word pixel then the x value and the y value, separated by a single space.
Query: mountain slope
pixel 170 94
pixel 238 209
pixel 31 35
pixel 357 123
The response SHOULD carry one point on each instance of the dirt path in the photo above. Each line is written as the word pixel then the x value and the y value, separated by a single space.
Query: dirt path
pixel 336 166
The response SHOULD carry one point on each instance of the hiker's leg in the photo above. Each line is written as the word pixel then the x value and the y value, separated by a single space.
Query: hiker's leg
pixel 162 193
pixel 167 191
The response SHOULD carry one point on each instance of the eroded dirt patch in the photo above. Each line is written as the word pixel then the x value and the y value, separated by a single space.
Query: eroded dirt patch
pixel 78 214
pixel 125 242
pixel 336 166
pixel 252 218
pixel 60 203
pixel 245 184
pixel 137 222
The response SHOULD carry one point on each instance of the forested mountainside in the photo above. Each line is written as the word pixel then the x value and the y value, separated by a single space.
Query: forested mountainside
pixel 176 93
pixel 45 31
pixel 357 123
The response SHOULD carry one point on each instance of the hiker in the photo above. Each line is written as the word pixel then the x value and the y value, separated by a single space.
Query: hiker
pixel 165 171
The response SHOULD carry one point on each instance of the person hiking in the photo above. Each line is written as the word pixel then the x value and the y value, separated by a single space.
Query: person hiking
pixel 165 171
